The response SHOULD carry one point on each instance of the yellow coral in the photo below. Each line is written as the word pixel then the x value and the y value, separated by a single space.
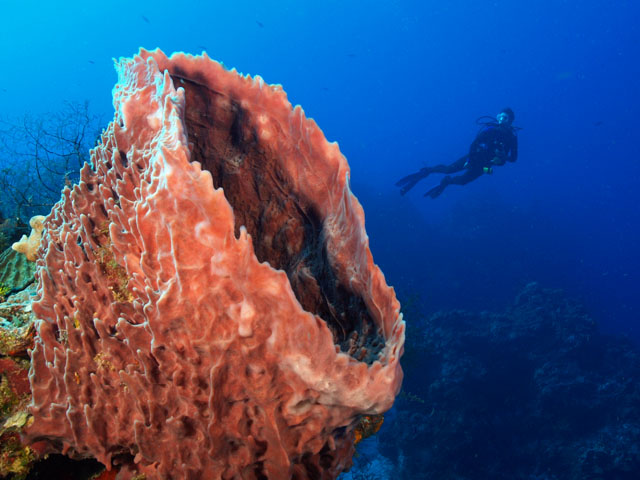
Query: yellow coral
pixel 29 246
pixel 15 458
pixel 3 292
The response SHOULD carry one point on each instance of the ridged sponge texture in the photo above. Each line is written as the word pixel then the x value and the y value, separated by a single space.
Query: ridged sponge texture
pixel 208 304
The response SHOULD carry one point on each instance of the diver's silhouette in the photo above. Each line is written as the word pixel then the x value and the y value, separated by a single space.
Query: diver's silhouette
pixel 495 144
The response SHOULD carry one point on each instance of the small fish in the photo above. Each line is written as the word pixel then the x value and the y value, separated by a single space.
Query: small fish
pixel 260 24
pixel 91 62
pixel 351 55
pixel 145 19
pixel 598 123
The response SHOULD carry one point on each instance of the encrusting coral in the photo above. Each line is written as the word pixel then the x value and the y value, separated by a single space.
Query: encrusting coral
pixel 16 337
pixel 209 306
pixel 16 272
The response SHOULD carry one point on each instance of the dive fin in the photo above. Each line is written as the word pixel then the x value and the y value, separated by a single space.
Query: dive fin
pixel 410 181
pixel 438 189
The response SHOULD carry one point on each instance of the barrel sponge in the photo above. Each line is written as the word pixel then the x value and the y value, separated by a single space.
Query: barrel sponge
pixel 208 303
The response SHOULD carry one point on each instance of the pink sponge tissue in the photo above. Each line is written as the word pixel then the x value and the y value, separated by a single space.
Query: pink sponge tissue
pixel 208 304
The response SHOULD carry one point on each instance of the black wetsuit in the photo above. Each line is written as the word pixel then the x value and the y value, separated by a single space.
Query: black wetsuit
pixel 494 145
pixel 494 141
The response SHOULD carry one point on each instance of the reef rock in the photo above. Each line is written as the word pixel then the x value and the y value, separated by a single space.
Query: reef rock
pixel 15 458
pixel 535 392
pixel 16 336
pixel 209 307
pixel 17 323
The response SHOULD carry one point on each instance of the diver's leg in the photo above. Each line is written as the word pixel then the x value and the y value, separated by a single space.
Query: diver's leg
pixel 468 176
pixel 454 167
pixel 463 179
pixel 410 181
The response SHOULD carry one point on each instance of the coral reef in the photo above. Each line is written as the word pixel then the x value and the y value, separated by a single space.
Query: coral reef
pixel 16 337
pixel 29 245
pixel 17 323
pixel 16 272
pixel 535 392
pixel 208 303
pixel 368 426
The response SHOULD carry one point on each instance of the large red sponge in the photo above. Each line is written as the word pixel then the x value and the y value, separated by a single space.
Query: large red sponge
pixel 209 307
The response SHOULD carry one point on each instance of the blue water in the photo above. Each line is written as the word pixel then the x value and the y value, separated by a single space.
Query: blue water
pixel 399 85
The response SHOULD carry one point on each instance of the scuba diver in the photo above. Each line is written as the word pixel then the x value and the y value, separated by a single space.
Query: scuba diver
pixel 495 144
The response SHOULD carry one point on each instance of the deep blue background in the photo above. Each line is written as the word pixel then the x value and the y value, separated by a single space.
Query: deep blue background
pixel 399 85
